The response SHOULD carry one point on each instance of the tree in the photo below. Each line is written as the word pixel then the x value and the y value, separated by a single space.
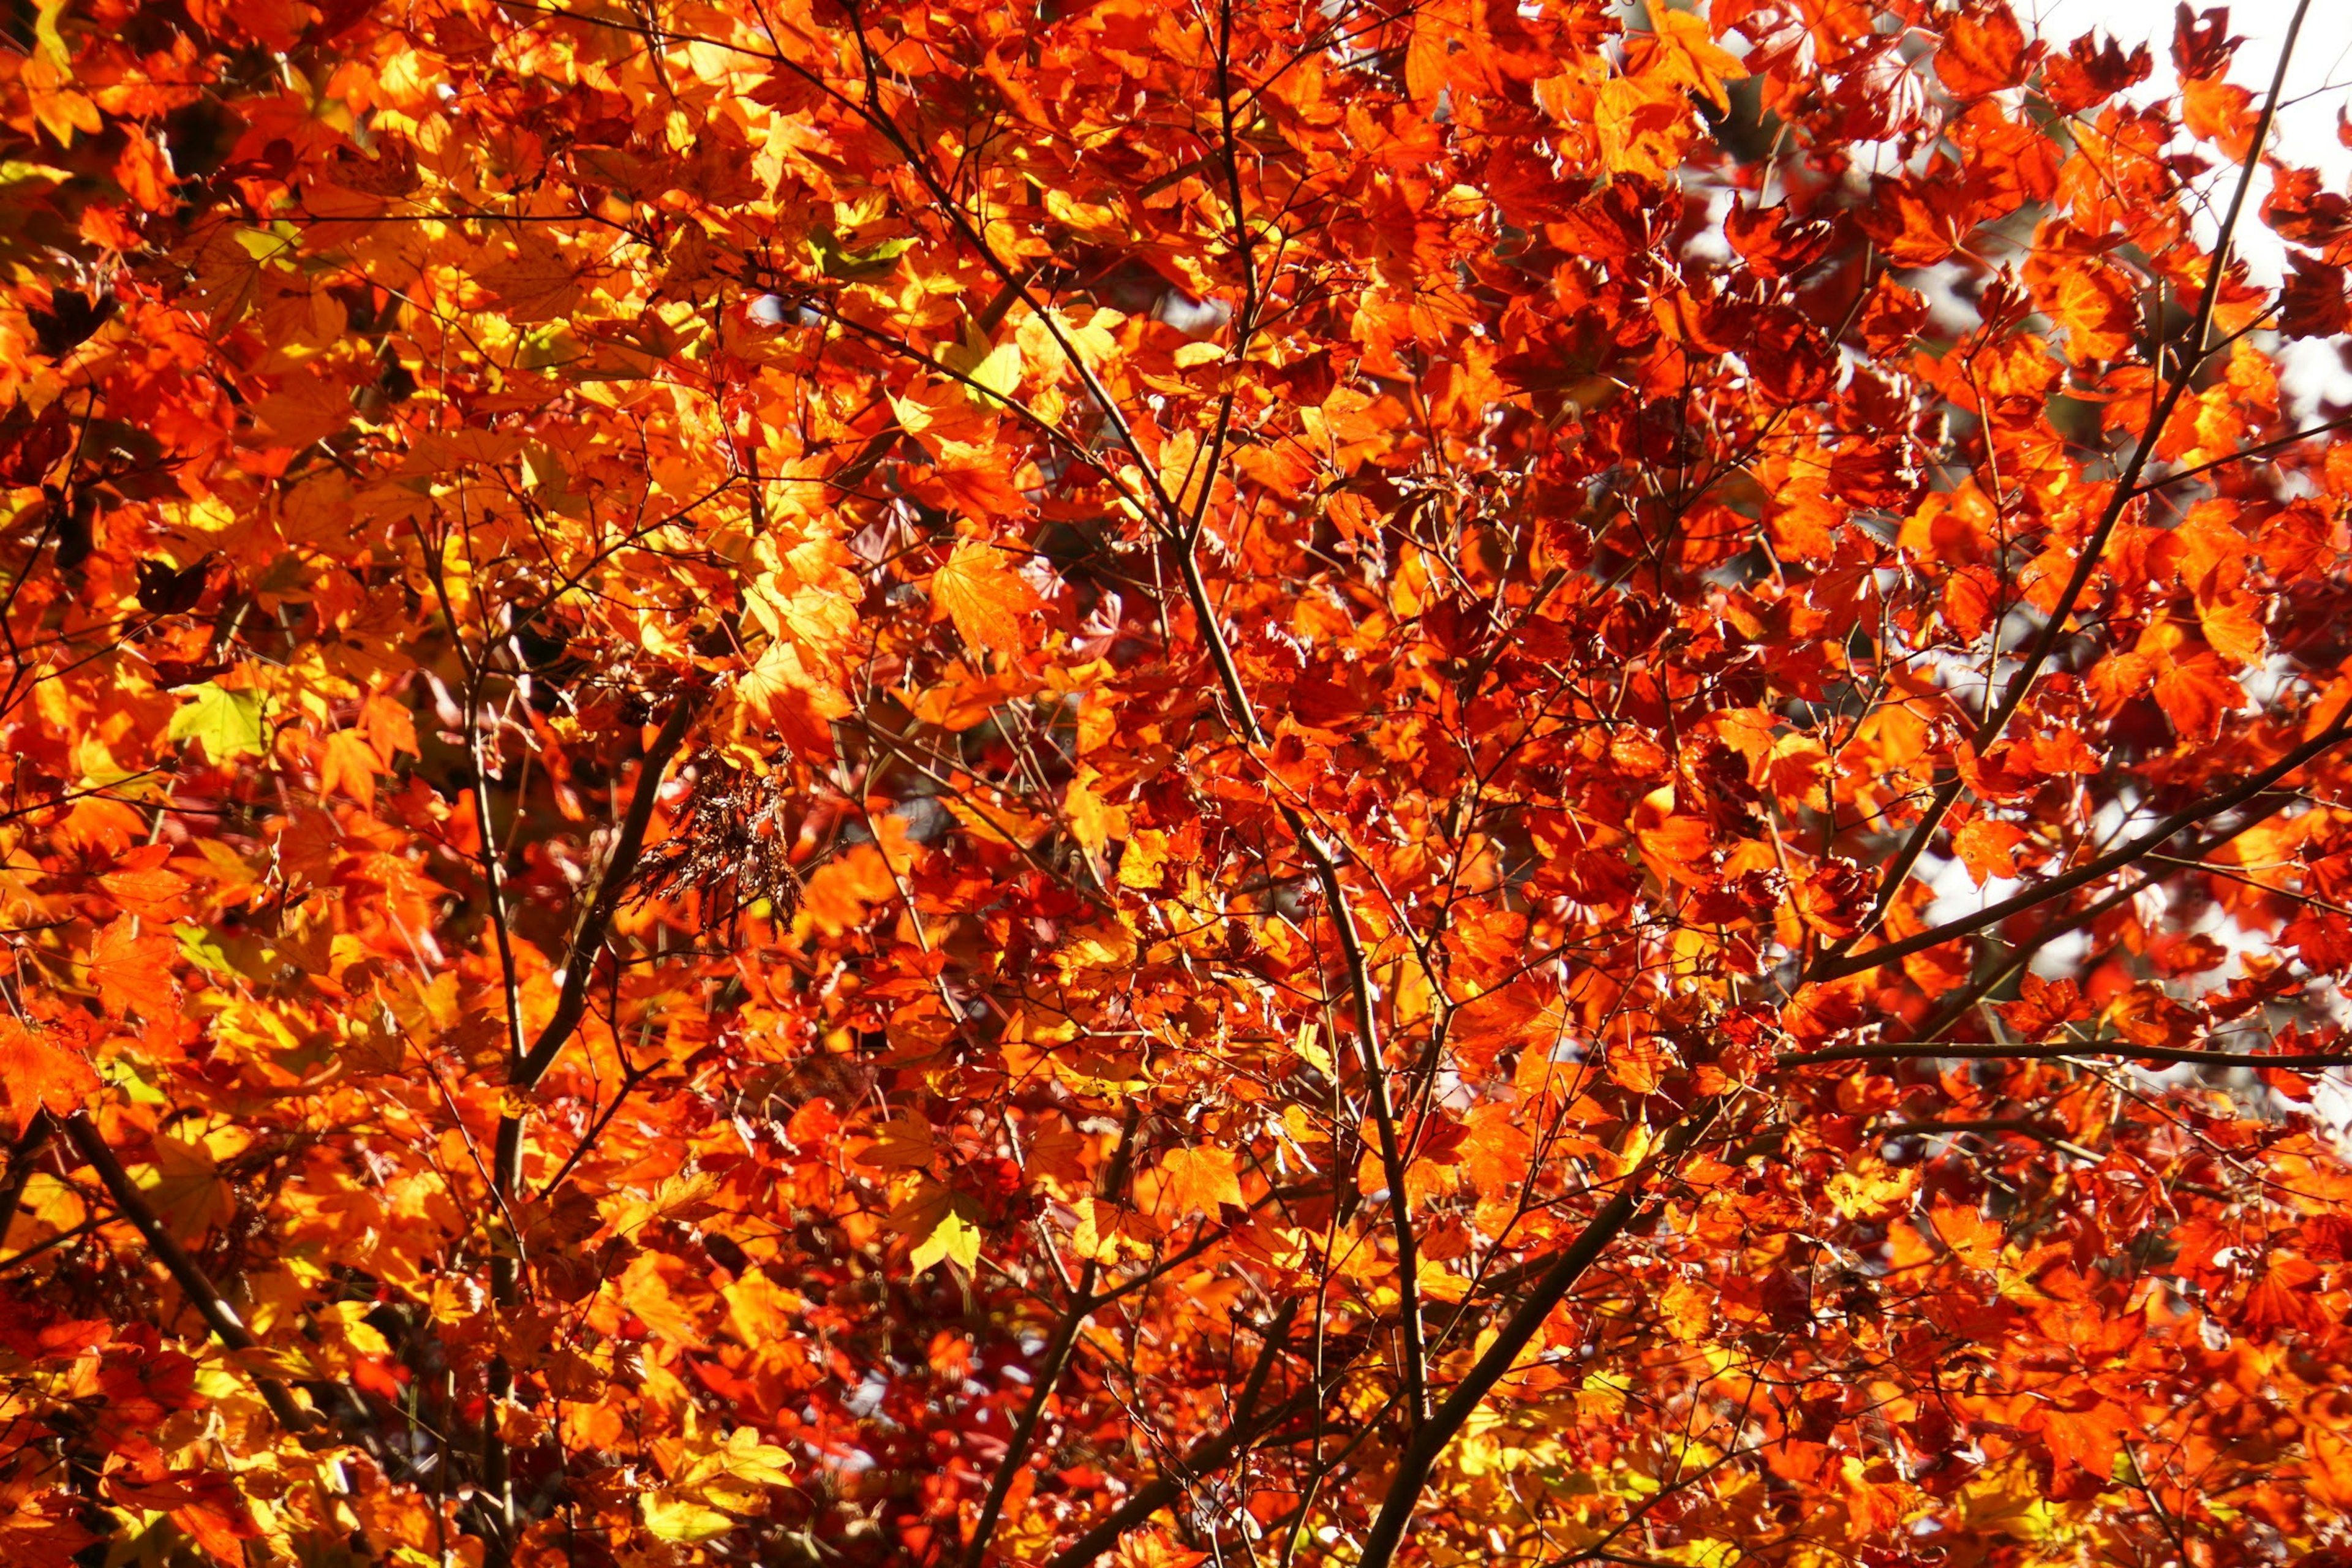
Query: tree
pixel 1357 782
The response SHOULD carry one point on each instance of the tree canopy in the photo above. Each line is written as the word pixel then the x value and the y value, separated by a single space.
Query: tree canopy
pixel 1167 780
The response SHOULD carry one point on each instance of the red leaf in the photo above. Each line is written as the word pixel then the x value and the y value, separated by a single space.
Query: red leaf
pixel 2091 72
pixel 1983 51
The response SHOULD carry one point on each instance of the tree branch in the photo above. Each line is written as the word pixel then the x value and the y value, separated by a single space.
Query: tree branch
pixel 1206 1458
pixel 1956 1007
pixel 1833 965
pixel 2086 561
pixel 21 1155
pixel 1420 1458
pixel 571 1005
pixel 1918 1050
pixel 580 962
pixel 185 1272
pixel 1049 1367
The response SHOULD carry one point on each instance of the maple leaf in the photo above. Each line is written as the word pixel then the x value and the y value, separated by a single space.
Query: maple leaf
pixel 1681 48
pixel 1984 50
pixel 1974 1239
pixel 953 1239
pixel 150 893
pixel 186 1187
pixel 681 1519
pixel 537 283
pixel 1092 820
pixel 350 765
pixel 1686 1310
pixel 226 724
pixel 978 590
pixel 1198 1181
pixel 1643 125
pixel 133 970
pixel 902 1142
pixel 1872 1192
pixel 39 1074
pixel 1987 848
pixel 1153 1549
pixel 42 1531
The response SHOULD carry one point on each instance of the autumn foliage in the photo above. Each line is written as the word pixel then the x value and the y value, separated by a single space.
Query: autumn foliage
pixel 1171 780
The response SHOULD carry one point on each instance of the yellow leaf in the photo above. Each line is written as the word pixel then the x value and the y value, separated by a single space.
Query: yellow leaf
pixel 675 1519
pixel 793 691
pixel 680 1198
pixel 1871 1191
pixel 1094 821
pixel 996 824
pixel 952 1239
pixel 729 1474
pixel 226 724
pixel 1438 1283
pixel 1143 859
pixel 991 372
pixel 1310 1051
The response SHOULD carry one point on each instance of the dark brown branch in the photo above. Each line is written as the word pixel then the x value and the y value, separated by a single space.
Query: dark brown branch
pixel 185 1272
pixel 43 1247
pixel 1050 1366
pixel 1919 1050
pixel 2086 560
pixel 571 1005
pixel 1420 1458
pixel 21 1155
pixel 630 1078
pixel 1831 966
pixel 588 940
pixel 1207 1458
pixel 2260 450
pixel 1956 1007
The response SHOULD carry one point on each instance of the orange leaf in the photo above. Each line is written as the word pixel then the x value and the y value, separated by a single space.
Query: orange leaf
pixel 133 971
pixel 2096 306
pixel 2194 693
pixel 350 764
pixel 1974 1239
pixel 1969 595
pixel 38 1075
pixel 978 591
pixel 1678 841
pixel 154 894
pixel 1682 51
pixel 1197 1180
pixel 1987 848
pixel 536 284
